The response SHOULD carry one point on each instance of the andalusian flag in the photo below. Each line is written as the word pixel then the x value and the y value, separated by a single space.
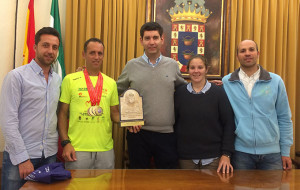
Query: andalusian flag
pixel 28 52
pixel 58 65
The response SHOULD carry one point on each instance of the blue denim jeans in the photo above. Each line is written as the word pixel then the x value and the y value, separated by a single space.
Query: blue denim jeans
pixel 245 161
pixel 10 173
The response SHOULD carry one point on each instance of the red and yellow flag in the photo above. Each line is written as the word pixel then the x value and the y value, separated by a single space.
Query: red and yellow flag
pixel 28 52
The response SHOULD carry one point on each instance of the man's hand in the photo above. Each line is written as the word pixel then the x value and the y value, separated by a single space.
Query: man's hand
pixel 134 129
pixel 25 168
pixel 225 165
pixel 217 82
pixel 286 162
pixel 69 154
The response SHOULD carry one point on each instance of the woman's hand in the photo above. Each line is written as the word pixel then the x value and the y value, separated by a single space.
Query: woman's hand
pixel 224 165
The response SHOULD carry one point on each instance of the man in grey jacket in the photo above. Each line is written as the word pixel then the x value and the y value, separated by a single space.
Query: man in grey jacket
pixel 155 77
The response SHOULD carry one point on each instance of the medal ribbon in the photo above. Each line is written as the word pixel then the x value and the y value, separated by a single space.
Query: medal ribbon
pixel 95 93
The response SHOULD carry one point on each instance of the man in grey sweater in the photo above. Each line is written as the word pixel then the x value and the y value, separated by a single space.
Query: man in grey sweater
pixel 155 77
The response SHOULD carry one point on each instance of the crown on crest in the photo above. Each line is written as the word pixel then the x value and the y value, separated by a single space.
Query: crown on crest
pixel 189 10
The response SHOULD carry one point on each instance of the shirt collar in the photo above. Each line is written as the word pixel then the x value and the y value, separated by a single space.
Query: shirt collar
pixel 204 89
pixel 148 60
pixel 37 69
pixel 255 76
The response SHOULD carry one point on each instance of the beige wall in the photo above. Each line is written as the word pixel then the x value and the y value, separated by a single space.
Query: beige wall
pixel 7 28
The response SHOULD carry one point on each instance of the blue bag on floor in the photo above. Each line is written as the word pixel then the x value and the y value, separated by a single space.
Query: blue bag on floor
pixel 49 173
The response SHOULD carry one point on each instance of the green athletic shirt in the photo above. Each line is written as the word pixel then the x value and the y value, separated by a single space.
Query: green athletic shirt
pixel 89 133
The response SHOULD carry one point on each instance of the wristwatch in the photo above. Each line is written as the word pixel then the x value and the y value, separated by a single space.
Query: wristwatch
pixel 65 142
pixel 226 155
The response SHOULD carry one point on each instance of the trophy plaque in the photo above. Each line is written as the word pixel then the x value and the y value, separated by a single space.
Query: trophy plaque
pixel 131 108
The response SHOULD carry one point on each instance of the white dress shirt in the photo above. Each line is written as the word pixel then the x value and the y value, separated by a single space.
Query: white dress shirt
pixel 249 81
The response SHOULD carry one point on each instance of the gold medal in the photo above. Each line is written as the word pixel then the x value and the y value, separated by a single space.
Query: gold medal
pixel 95 94
pixel 98 110
pixel 95 111
pixel 89 111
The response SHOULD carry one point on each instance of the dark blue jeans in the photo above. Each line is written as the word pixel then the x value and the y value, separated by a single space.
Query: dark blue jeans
pixel 10 173
pixel 245 161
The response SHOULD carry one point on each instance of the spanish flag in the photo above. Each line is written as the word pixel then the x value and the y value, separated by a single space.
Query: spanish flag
pixel 28 52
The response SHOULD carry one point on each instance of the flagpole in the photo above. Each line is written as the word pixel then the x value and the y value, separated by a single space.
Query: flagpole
pixel 15 43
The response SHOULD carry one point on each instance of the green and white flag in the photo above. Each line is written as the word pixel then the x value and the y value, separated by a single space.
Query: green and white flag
pixel 59 65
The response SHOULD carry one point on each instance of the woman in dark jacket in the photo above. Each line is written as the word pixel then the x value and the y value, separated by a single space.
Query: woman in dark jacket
pixel 204 122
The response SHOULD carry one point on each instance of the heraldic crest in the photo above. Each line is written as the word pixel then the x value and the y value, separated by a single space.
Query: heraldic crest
pixel 188 19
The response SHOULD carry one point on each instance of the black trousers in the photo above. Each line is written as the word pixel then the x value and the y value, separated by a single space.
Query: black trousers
pixel 145 145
